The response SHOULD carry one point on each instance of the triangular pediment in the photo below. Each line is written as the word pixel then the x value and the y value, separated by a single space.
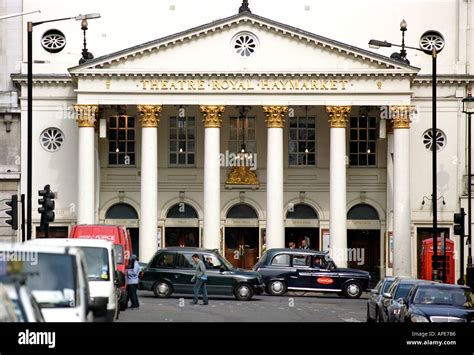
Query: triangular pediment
pixel 274 48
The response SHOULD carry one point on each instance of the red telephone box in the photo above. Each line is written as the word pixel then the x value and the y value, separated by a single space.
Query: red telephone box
pixel 427 255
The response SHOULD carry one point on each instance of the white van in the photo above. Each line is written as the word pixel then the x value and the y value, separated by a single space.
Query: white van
pixel 57 279
pixel 100 264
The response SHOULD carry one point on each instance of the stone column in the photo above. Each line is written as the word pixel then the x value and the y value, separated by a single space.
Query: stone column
pixel 212 119
pixel 338 118
pixel 148 243
pixel 86 120
pixel 275 233
pixel 401 190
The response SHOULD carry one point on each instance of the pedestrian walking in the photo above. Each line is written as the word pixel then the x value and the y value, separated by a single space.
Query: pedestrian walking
pixel 132 283
pixel 200 279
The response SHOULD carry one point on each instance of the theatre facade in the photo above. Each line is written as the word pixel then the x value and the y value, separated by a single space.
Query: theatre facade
pixel 241 135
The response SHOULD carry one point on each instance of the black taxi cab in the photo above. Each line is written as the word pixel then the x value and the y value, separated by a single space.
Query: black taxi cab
pixel 171 270
pixel 308 270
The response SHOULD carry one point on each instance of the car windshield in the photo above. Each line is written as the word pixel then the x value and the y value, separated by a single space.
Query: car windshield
pixel 387 285
pixel 224 261
pixel 52 280
pixel 97 262
pixel 402 290
pixel 445 296
pixel 18 311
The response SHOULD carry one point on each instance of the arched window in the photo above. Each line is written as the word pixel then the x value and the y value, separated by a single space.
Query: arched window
pixel 302 211
pixel 121 211
pixel 242 210
pixel 362 211
pixel 182 210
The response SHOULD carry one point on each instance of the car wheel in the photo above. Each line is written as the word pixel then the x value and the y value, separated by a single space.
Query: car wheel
pixel 162 289
pixel 369 318
pixel 243 292
pixel 276 288
pixel 352 289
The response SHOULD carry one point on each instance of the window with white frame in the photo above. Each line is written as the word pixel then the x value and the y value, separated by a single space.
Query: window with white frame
pixel 363 141
pixel 121 133
pixel 302 141
pixel 182 141
pixel 242 131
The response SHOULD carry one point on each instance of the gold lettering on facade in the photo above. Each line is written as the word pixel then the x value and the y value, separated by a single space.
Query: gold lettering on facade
pixel 154 85
pixel 240 84
pixel 294 84
pixel 107 84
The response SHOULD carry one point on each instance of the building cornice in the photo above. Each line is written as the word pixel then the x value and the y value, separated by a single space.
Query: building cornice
pixel 43 78
pixel 444 79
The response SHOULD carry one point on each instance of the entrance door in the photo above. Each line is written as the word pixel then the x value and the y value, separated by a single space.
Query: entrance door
pixel 241 246
pixel 135 240
pixel 364 251
pixel 182 237
pixel 297 235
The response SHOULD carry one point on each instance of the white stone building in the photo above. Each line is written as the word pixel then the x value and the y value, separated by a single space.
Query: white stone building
pixel 150 127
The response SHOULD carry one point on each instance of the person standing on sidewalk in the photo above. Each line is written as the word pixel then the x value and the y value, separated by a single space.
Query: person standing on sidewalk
pixel 200 279
pixel 132 283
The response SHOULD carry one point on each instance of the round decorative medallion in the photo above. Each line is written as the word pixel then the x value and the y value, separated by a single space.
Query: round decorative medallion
pixel 53 41
pixel 440 139
pixel 245 44
pixel 51 139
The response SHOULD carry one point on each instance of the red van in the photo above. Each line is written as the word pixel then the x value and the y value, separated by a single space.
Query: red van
pixel 120 236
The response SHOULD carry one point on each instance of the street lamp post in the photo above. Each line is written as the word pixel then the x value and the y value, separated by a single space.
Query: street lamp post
pixel 431 43
pixel 29 187
pixel 468 108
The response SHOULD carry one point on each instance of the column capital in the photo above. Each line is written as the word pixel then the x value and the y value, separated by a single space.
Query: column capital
pixel 149 115
pixel 400 115
pixel 275 116
pixel 338 116
pixel 86 115
pixel 212 116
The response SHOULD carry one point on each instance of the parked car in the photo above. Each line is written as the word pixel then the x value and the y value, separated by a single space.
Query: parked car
pixel 7 309
pixel 118 235
pixel 104 280
pixel 26 307
pixel 57 278
pixel 375 298
pixel 171 269
pixel 308 270
pixel 437 303
pixel 391 299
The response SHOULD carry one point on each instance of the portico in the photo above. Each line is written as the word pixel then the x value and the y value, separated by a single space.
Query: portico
pixel 166 112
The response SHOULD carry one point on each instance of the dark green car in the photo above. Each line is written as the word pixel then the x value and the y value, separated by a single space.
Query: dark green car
pixel 171 270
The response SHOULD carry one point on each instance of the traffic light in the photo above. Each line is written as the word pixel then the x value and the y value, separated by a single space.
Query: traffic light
pixel 47 207
pixel 13 212
pixel 459 223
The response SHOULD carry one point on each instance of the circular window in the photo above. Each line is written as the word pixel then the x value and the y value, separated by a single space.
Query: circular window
pixel 53 41
pixel 440 139
pixel 245 44
pixel 52 139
